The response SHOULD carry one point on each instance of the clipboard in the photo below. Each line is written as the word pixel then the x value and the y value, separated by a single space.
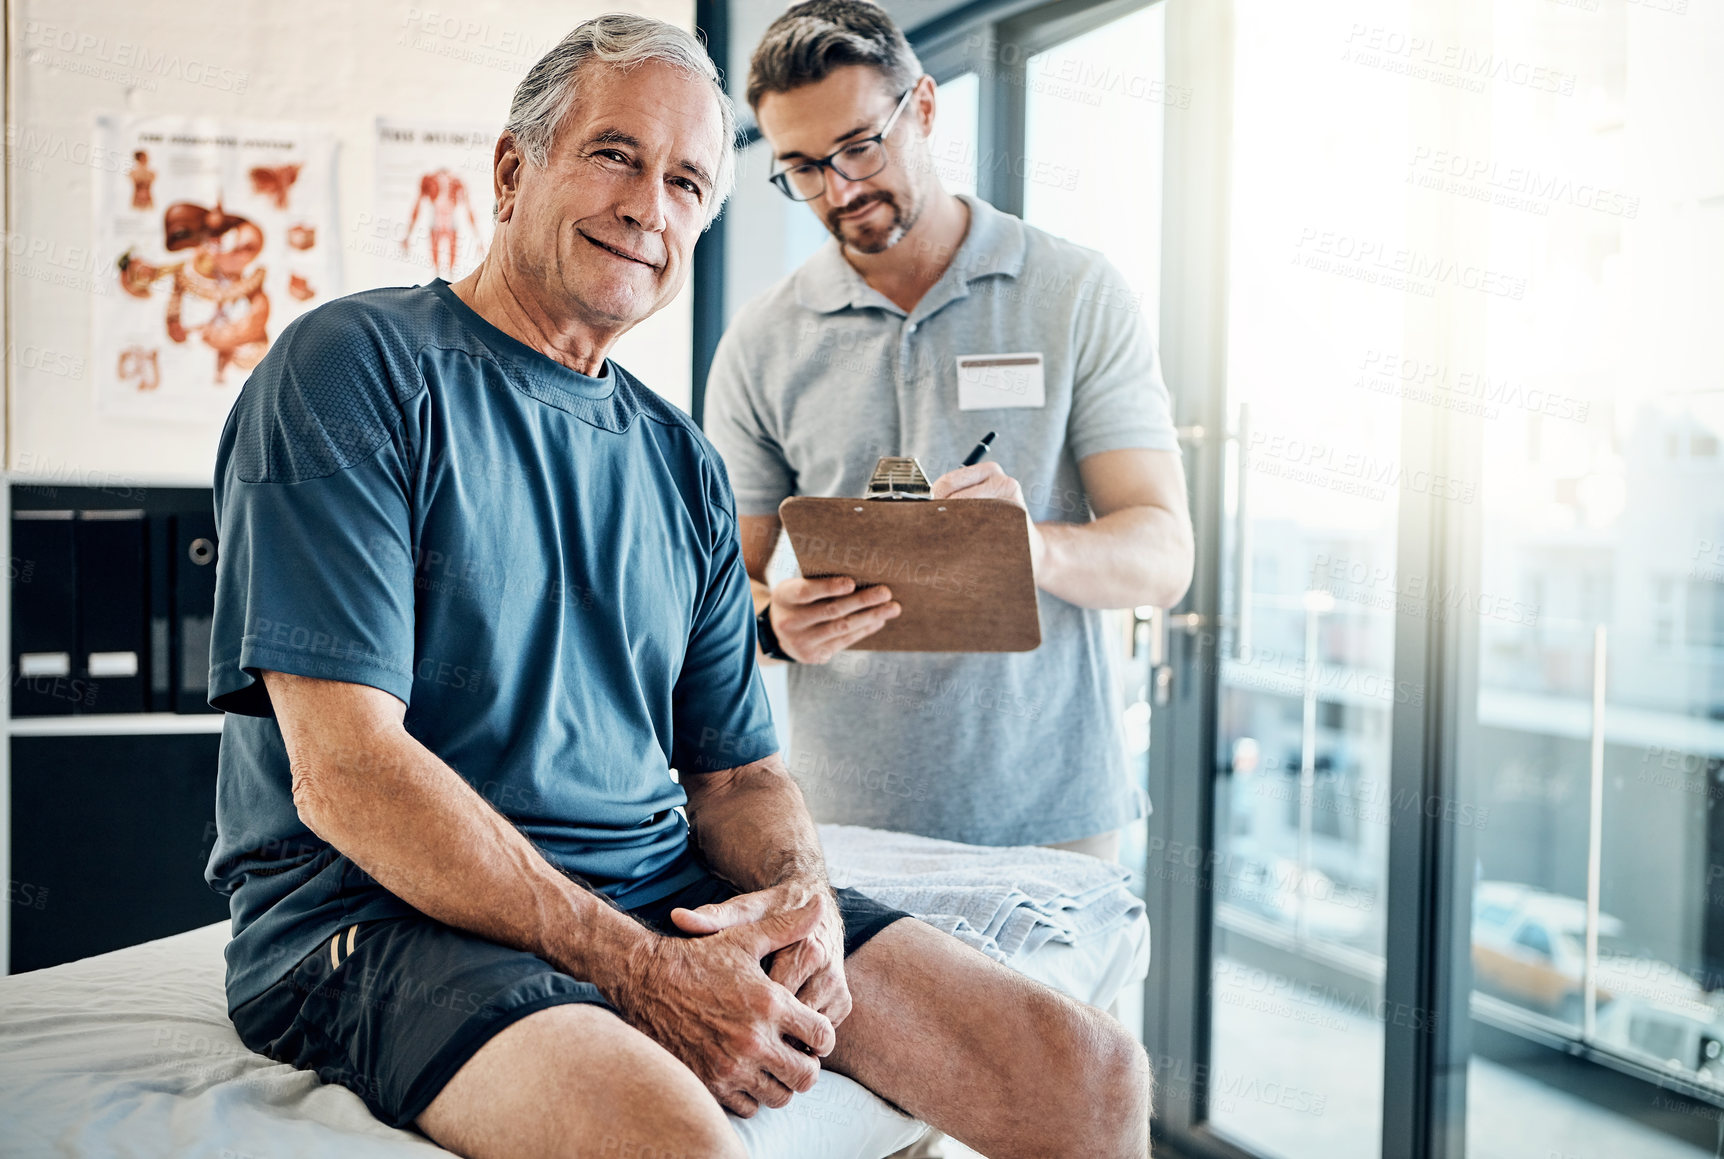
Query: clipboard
pixel 959 568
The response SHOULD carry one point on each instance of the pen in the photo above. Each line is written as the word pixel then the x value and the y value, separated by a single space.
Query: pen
pixel 981 450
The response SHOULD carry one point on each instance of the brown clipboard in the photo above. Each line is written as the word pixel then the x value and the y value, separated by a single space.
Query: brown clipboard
pixel 959 568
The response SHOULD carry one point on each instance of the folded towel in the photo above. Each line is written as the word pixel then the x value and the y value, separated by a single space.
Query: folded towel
pixel 1004 900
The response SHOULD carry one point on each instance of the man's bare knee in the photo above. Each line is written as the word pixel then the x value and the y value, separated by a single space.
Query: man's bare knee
pixel 1112 1070
pixel 1092 1079
pixel 577 1081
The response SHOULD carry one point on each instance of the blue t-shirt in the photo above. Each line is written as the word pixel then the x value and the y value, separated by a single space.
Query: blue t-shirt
pixel 543 566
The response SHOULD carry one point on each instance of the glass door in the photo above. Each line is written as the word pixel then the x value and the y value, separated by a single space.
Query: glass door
pixel 1305 657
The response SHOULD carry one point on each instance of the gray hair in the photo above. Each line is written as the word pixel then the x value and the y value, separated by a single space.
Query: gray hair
pixel 624 41
pixel 813 38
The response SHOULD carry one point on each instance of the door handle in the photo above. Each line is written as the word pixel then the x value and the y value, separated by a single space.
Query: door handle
pixel 1150 629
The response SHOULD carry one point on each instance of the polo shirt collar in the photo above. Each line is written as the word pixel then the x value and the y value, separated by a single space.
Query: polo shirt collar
pixel 993 245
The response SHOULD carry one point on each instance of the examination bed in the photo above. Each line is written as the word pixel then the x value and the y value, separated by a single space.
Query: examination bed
pixel 131 1053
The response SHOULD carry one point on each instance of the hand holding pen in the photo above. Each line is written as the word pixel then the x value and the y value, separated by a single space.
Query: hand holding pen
pixel 979 480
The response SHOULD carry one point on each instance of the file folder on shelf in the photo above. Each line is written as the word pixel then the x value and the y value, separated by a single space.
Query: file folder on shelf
pixel 44 614
pixel 112 656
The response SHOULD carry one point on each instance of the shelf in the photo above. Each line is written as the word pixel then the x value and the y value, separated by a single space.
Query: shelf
pixel 116 724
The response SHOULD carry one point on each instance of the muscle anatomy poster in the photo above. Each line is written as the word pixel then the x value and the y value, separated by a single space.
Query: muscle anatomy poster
pixel 219 233
pixel 431 210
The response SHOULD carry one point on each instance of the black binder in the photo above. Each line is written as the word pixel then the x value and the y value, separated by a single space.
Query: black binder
pixel 44 614
pixel 112 654
pixel 194 607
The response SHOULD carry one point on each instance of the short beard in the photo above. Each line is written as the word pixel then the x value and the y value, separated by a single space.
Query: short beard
pixel 874 243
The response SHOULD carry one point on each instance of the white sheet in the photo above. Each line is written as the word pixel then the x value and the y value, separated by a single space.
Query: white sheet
pixel 131 1054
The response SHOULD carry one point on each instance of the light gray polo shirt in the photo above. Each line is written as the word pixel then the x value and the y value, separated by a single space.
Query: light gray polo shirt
pixel 819 377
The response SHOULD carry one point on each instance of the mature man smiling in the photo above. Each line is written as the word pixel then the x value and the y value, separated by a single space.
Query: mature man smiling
pixel 457 478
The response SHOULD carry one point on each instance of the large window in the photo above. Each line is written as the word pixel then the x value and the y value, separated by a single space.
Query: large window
pixel 1595 731
pixel 1460 676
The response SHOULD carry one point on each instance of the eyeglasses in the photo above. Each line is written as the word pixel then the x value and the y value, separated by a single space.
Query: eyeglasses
pixel 857 161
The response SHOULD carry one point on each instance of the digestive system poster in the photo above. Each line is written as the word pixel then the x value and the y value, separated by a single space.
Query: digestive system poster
pixel 219 233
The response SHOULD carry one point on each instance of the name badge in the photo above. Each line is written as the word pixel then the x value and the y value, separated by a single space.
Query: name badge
pixel 989 381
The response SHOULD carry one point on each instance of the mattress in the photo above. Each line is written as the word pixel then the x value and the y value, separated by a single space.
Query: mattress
pixel 131 1054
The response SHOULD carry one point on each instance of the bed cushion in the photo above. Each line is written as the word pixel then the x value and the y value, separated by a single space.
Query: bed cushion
pixel 131 1054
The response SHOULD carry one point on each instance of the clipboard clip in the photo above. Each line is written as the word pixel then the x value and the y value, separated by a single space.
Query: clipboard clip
pixel 898 477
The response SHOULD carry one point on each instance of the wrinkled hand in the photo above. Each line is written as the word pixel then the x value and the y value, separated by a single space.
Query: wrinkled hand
pixel 988 480
pixel 815 619
pixel 708 1001
pixel 813 968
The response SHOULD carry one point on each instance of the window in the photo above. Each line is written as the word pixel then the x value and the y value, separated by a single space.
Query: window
pixel 1663 612
pixel 954 147
pixel 1705 618
pixel 1415 282
pixel 1532 936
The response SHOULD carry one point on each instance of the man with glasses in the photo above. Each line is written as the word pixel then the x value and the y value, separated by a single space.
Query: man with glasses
pixel 880 345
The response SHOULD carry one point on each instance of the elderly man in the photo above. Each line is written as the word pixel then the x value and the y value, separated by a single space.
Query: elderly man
pixel 480 592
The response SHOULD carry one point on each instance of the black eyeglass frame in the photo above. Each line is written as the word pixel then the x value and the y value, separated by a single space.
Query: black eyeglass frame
pixel 782 178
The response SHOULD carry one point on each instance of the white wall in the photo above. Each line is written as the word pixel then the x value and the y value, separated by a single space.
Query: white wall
pixel 337 64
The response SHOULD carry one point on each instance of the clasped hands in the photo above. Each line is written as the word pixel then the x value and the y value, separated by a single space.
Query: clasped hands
pixel 751 1000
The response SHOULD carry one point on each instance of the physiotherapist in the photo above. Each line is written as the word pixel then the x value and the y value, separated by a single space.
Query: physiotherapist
pixel 926 320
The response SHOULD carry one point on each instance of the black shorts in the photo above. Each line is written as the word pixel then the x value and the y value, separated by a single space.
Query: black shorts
pixel 392 1009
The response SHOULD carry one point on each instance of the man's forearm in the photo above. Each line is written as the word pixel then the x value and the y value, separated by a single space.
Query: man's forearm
pixel 423 834
pixel 1138 555
pixel 752 826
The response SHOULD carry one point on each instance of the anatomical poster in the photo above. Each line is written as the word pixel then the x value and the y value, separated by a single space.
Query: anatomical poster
pixel 431 207
pixel 217 234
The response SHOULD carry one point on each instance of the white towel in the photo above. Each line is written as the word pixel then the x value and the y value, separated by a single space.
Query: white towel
pixel 1003 900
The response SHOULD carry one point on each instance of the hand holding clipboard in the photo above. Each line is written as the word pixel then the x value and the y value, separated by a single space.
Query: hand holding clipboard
pixel 960 569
